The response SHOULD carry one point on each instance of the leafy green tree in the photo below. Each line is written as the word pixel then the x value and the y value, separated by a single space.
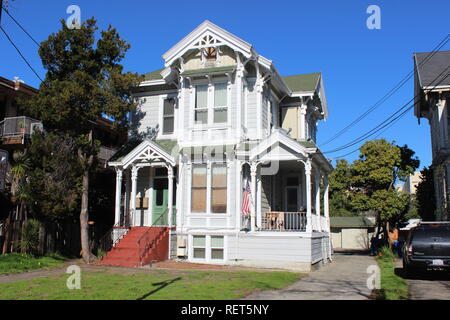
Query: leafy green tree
pixel 340 182
pixel 84 81
pixel 373 176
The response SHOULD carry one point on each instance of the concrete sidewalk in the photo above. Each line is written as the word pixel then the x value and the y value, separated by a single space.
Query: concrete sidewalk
pixel 343 279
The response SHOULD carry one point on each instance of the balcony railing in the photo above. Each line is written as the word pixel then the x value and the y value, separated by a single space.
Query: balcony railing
pixel 284 221
pixel 18 126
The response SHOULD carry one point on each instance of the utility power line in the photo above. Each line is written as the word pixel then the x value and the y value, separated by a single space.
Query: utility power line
pixel 391 120
pixel 390 92
pixel 21 27
pixel 20 53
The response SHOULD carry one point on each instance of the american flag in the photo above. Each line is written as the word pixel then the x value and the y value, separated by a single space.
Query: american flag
pixel 246 201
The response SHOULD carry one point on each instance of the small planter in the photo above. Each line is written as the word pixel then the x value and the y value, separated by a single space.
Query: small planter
pixel 22 127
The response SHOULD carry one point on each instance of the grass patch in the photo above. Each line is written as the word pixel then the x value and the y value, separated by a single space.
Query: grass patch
pixel 151 285
pixel 393 287
pixel 16 262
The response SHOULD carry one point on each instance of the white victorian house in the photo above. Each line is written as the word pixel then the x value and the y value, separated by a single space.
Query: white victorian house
pixel 224 121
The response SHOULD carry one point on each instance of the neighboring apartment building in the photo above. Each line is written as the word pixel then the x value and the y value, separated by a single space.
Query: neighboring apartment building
pixel 410 185
pixel 432 95
pixel 233 174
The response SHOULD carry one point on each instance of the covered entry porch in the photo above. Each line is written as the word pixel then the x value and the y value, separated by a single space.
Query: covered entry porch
pixel 289 188
pixel 146 185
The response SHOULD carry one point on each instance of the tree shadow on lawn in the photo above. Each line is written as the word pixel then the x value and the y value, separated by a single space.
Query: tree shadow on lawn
pixel 431 275
pixel 161 285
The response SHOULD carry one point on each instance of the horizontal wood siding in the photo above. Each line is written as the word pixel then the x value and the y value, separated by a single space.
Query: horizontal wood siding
pixel 290 249
pixel 251 109
pixel 147 115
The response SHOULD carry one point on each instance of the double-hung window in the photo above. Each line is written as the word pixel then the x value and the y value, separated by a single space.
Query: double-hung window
pixel 219 188
pixel 201 104
pixel 199 246
pixel 198 199
pixel 217 247
pixel 211 107
pixel 168 115
pixel 220 103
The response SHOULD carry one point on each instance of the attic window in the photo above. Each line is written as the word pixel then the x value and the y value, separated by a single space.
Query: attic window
pixel 211 54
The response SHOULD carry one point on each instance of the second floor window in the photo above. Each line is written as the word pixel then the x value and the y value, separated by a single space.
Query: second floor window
pixel 201 105
pixel 220 103
pixel 211 108
pixel 168 116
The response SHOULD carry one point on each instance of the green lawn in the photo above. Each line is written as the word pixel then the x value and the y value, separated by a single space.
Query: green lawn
pixel 151 285
pixel 16 263
pixel 393 287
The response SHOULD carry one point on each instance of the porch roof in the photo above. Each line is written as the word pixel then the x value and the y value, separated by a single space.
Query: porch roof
pixel 144 151
pixel 269 149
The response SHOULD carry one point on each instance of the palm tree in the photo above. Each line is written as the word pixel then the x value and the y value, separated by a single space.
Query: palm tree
pixel 20 166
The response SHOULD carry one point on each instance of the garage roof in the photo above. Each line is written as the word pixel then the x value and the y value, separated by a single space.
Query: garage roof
pixel 351 222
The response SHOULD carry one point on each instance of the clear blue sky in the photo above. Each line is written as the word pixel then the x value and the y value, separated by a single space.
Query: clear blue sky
pixel 359 65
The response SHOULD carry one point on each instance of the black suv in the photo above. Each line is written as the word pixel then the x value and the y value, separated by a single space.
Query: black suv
pixel 427 247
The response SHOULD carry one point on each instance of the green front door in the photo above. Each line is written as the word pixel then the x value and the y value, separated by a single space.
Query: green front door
pixel 160 216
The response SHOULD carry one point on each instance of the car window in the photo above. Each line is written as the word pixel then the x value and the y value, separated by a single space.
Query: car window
pixel 428 232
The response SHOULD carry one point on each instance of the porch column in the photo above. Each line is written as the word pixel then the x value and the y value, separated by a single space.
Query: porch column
pixel 170 177
pixel 253 169
pixel 134 174
pixel 318 218
pixel 302 126
pixel 308 195
pixel 118 195
pixel 127 196
pixel 326 208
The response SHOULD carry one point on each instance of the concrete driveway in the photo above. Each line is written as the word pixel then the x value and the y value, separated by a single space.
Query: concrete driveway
pixel 343 279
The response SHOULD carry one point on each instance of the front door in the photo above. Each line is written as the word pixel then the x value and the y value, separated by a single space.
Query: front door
pixel 160 205
pixel 292 199
pixel 160 201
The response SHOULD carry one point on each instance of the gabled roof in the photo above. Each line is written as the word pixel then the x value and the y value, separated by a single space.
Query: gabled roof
pixel 206 28
pixel 276 138
pixel 139 150
pixel 303 82
pixel 429 68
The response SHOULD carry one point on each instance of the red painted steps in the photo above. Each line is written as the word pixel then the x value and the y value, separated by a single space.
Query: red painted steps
pixel 138 247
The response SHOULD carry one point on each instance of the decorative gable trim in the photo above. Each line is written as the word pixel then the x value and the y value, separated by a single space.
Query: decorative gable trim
pixel 278 138
pixel 146 151
pixel 207 34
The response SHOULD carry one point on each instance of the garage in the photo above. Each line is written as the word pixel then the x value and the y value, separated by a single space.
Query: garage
pixel 351 232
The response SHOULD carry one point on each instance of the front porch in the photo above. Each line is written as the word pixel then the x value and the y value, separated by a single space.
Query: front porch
pixel 146 187
pixel 289 186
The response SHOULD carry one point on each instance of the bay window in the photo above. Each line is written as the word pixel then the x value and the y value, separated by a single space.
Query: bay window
pixel 198 199
pixel 219 188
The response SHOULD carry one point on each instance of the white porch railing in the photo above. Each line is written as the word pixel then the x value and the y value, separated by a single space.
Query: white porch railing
pixel 284 221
